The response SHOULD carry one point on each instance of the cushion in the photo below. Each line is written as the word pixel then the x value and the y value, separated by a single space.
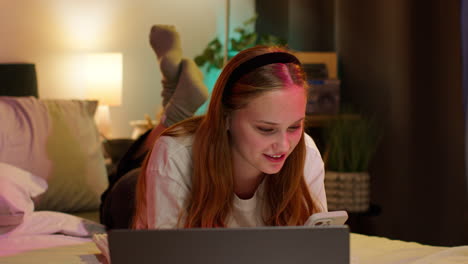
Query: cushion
pixel 17 188
pixel 58 141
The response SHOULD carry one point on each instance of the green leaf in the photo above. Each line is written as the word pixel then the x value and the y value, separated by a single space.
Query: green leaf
pixel 239 30
pixel 212 55
pixel 351 143
pixel 200 60
pixel 251 20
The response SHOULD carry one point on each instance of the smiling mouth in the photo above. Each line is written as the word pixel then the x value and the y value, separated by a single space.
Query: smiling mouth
pixel 275 158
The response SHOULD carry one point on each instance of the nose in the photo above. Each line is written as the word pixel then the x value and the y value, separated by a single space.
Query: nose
pixel 282 143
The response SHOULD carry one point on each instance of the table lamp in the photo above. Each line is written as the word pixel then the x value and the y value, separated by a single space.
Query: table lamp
pixel 103 79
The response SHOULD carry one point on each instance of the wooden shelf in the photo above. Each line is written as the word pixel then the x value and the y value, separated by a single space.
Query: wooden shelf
pixel 328 58
pixel 313 120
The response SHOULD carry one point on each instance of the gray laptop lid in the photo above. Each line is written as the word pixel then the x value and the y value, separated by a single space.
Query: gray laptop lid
pixel 272 245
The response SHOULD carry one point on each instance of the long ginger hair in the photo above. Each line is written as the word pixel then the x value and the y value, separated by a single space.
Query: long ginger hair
pixel 209 203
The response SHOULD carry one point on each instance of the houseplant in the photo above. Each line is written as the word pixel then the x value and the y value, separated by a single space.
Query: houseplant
pixel 351 141
pixel 211 60
pixel 212 56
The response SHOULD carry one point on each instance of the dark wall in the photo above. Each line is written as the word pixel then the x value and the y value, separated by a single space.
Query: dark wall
pixel 272 17
pixel 306 24
pixel 401 60
pixel 438 114
pixel 311 25
pixel 371 43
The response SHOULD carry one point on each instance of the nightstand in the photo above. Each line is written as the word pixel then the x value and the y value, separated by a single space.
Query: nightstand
pixel 116 148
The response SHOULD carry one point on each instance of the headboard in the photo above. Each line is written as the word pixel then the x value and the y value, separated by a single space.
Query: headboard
pixel 18 79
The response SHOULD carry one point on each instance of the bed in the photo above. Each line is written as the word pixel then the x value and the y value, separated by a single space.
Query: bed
pixel 53 170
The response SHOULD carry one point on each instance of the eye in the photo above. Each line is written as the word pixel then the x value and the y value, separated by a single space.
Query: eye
pixel 265 129
pixel 294 128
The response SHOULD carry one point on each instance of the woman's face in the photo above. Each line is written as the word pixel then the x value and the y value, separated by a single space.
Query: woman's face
pixel 266 131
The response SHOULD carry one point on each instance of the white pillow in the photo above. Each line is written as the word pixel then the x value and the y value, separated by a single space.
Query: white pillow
pixel 17 188
pixel 58 141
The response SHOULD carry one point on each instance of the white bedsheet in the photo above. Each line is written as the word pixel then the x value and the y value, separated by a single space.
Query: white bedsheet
pixel 371 249
pixel 49 249
pixel 44 234
pixel 19 244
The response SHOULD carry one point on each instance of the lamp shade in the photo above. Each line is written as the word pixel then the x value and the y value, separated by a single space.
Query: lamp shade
pixel 103 78
pixel 18 79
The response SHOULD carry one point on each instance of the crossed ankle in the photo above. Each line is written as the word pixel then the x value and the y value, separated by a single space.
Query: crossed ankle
pixel 173 114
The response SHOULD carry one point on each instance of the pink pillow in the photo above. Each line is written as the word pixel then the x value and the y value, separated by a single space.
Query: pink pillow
pixel 17 189
pixel 58 141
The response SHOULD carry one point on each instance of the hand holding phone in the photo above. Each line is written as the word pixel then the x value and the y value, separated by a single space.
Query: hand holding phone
pixel 327 218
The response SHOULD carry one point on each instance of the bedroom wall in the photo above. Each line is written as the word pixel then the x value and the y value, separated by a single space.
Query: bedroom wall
pixel 402 61
pixel 55 34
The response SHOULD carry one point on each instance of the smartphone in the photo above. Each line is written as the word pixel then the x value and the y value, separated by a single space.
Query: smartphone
pixel 327 218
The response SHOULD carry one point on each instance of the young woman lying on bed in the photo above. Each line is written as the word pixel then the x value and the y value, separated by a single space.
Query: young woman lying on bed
pixel 246 162
pixel 59 248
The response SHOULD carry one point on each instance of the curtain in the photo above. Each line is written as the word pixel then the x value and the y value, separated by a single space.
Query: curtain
pixel 464 51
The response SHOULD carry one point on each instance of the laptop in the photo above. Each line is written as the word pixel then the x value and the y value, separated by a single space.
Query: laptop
pixel 272 245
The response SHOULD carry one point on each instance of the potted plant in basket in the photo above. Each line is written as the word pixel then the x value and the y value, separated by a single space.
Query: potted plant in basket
pixel 351 141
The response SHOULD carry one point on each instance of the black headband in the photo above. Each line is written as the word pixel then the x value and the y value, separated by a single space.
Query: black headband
pixel 257 62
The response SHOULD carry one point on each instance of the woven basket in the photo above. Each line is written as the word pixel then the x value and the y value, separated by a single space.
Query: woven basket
pixel 347 191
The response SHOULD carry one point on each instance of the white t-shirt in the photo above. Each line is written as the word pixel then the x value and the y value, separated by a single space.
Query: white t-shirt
pixel 168 179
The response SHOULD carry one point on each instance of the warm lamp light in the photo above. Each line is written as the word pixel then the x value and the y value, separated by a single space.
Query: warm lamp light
pixel 103 79
pixel 103 76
